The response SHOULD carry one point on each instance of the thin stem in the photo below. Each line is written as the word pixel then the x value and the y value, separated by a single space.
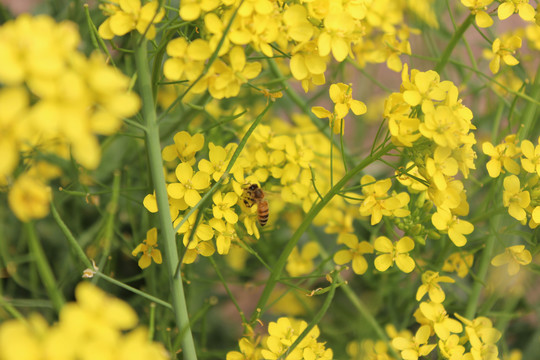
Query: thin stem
pixel 458 35
pixel 528 119
pixel 45 271
pixel 316 319
pixel 485 260
pixel 74 244
pixel 282 260
pixel 134 290
pixel 153 147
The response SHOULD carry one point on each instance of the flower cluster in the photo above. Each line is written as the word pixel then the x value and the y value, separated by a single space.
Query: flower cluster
pixel 124 16
pixel 429 121
pixel 54 101
pixel 521 193
pixel 478 342
pixel 281 335
pixel 95 325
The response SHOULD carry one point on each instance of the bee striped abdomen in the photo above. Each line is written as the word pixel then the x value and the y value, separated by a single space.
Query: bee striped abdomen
pixel 262 212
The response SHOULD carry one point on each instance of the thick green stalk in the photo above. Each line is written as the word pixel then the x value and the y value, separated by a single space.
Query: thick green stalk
pixel 282 260
pixel 170 250
pixel 45 271
pixel 452 44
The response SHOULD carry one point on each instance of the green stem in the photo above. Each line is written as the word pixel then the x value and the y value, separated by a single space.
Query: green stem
pixel 485 260
pixel 452 44
pixel 528 119
pixel 316 208
pixel 153 147
pixel 45 271
pixel 316 319
pixel 134 290
pixel 71 239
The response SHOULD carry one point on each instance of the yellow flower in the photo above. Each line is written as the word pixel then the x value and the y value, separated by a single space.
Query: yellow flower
pixel 186 60
pixel 29 198
pixel 225 234
pixel 203 232
pixel 423 88
pixel 531 160
pixel 398 253
pixel 514 256
pixel 439 319
pixel 355 253
pixel 248 351
pixel 430 285
pixel 412 349
pixel 128 15
pixel 301 262
pixel 225 80
pixel 219 160
pixel 282 335
pixel 478 9
pixel 502 156
pixel 95 325
pixel 204 248
pixel 482 337
pixel 522 7
pixel 376 201
pixel 450 348
pixel 185 147
pixel 341 95
pixel 444 220
pixel 503 50
pixel 190 184
pixel 222 206
pixel 440 166
pixel 149 249
pixel 339 27
pixel 191 10
pixel 515 199
pixel 460 262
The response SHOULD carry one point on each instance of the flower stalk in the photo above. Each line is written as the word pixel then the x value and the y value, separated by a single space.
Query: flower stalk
pixel 170 249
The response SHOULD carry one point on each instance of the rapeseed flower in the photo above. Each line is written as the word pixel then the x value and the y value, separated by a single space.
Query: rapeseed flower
pixel 439 320
pixel 149 249
pixel 203 232
pixel 430 285
pixel 502 156
pixel 29 198
pixel 354 253
pixel 457 228
pixel 185 147
pixel 478 9
pixel 189 185
pixel 515 198
pixel 460 262
pixel 377 203
pixel 300 262
pixel 191 10
pixel 412 349
pixel 127 15
pixel 531 157
pixel 522 7
pixel 95 325
pixel 390 253
pixel 225 234
pixel 222 207
pixel 515 256
pixel 503 50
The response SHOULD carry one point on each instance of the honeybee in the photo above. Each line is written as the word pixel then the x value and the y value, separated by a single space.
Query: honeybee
pixel 253 194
